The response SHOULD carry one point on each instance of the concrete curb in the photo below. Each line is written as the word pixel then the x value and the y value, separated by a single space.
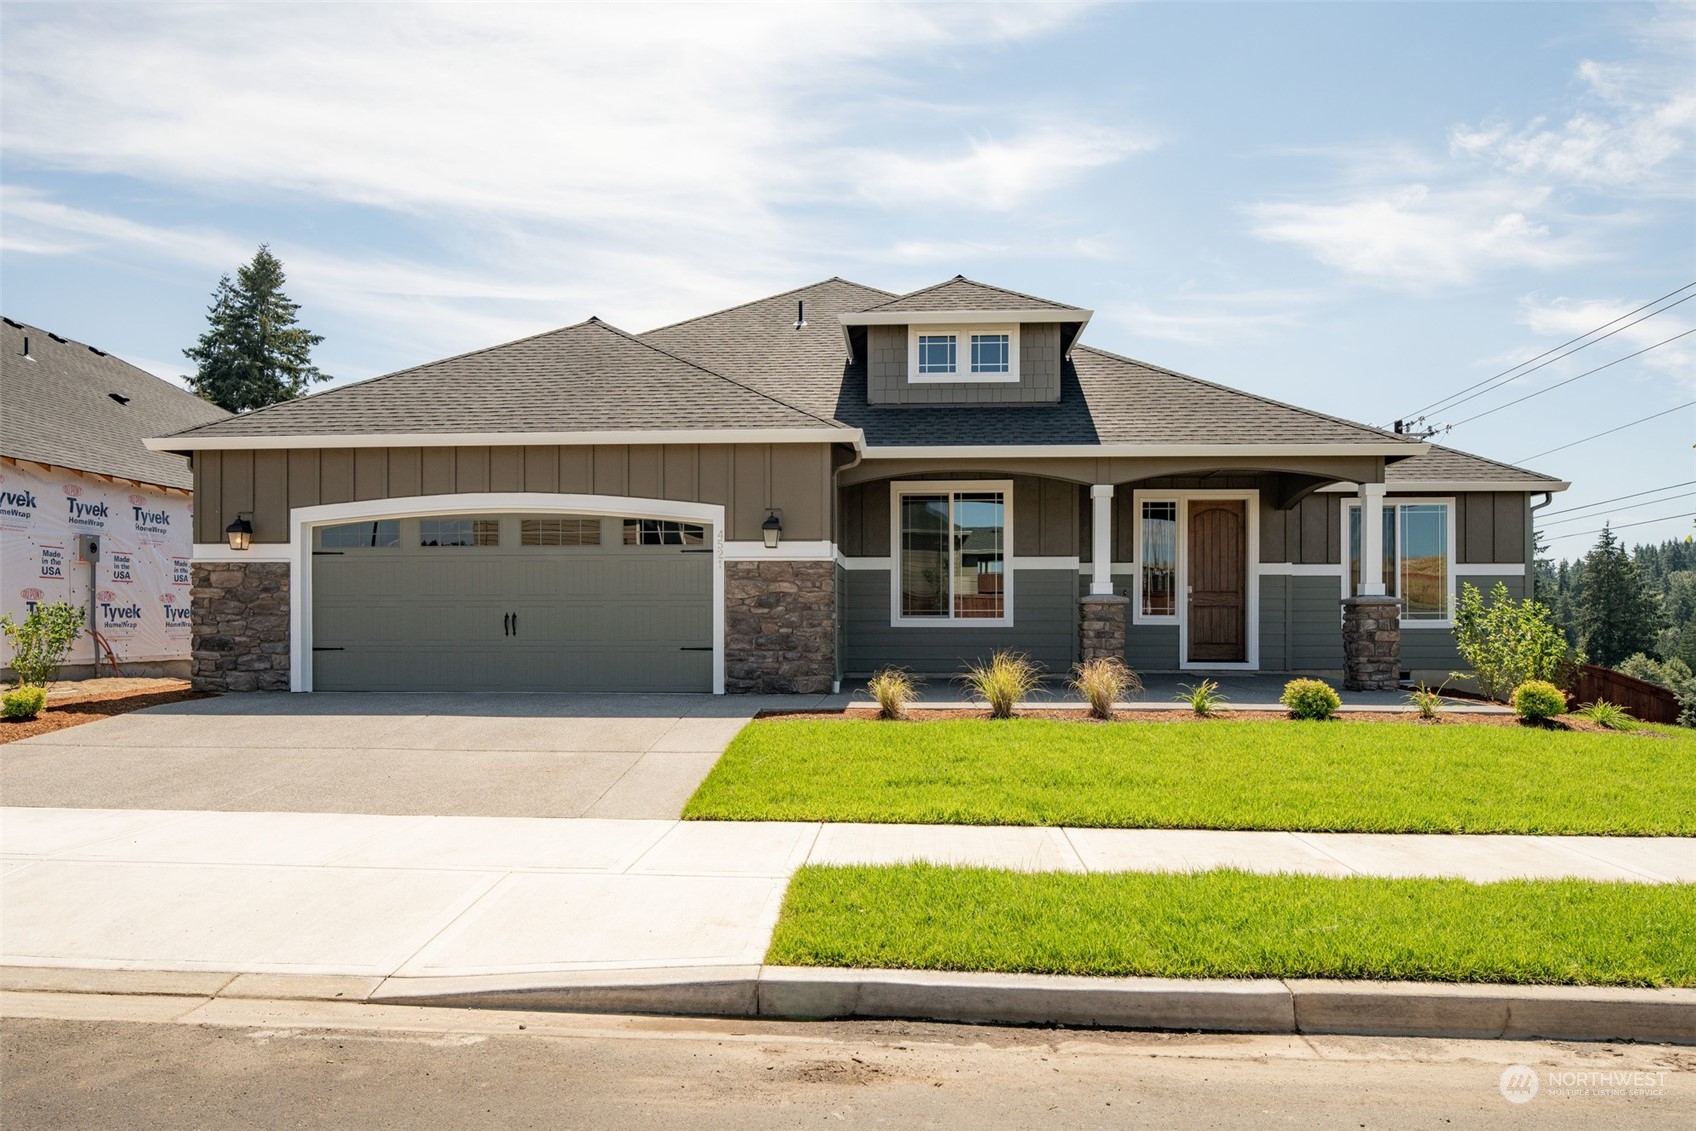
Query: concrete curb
pixel 1312 1006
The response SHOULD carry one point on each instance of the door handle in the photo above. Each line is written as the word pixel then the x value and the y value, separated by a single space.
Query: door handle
pixel 506 625
pixel 515 624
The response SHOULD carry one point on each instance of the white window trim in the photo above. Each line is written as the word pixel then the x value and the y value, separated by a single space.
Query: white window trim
pixel 952 486
pixel 302 521
pixel 963 374
pixel 1251 644
pixel 1396 502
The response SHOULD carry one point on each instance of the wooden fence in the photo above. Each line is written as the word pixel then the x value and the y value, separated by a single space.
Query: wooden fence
pixel 1646 701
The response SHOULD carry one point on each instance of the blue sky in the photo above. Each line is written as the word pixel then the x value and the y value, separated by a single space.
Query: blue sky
pixel 1358 208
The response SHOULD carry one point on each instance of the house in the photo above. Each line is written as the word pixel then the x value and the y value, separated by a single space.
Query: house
pixel 75 470
pixel 799 490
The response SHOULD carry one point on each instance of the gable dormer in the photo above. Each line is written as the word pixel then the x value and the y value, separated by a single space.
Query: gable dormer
pixel 963 342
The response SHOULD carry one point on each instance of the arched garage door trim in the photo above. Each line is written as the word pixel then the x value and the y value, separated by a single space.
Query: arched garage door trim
pixel 302 520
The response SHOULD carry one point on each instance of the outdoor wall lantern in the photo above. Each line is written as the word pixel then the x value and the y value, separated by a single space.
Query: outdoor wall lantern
pixel 772 528
pixel 240 532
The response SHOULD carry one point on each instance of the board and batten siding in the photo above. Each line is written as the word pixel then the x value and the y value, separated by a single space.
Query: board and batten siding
pixel 1045 516
pixel 1045 627
pixel 745 478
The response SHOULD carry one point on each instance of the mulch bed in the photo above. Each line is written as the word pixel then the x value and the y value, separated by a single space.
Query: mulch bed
pixel 922 714
pixel 64 713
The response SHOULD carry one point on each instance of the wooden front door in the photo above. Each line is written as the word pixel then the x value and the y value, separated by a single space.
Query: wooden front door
pixel 1218 581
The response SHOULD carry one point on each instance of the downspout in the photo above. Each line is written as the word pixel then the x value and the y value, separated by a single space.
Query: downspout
pixel 1531 544
pixel 835 499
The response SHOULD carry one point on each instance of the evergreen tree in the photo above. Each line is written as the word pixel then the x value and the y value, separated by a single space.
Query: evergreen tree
pixel 1618 615
pixel 252 353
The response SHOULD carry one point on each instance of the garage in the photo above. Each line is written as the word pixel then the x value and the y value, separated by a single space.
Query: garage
pixel 512 602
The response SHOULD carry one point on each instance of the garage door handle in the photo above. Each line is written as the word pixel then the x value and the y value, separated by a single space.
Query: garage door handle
pixel 515 624
pixel 506 625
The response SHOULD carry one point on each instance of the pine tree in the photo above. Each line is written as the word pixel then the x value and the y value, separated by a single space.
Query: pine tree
pixel 1618 614
pixel 252 353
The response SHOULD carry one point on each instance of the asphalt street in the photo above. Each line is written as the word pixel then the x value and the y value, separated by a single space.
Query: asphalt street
pixel 75 1061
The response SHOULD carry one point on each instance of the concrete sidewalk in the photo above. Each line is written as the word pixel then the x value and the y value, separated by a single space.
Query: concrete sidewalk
pixel 404 898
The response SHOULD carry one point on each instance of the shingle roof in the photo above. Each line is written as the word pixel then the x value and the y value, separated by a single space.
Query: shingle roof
pixel 57 409
pixel 590 377
pixel 1442 464
pixel 961 293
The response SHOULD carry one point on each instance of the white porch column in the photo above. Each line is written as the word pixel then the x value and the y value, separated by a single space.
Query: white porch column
pixel 1372 540
pixel 1101 541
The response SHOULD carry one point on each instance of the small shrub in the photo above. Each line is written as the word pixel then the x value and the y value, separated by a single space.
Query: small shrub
pixel 1428 702
pixel 1006 679
pixel 23 702
pixel 1609 715
pixel 41 643
pixel 1310 699
pixel 893 689
pixel 1537 699
pixel 1103 681
pixel 1204 698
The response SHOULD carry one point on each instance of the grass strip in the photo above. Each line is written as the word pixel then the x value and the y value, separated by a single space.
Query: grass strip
pixel 1232 924
pixel 1316 777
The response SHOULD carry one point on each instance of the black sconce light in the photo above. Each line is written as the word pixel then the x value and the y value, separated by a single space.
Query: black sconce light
pixel 772 528
pixel 240 532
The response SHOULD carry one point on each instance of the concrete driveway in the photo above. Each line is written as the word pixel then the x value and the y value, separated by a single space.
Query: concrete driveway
pixel 622 756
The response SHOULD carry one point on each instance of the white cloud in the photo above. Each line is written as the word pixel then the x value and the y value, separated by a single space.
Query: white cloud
pixel 1634 119
pixel 1208 319
pixel 1417 236
pixel 1561 319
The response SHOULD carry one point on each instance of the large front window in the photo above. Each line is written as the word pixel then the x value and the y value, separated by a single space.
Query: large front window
pixel 1417 562
pixel 952 554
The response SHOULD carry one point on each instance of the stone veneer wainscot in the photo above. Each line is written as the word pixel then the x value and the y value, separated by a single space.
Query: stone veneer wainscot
pixel 241 626
pixel 779 627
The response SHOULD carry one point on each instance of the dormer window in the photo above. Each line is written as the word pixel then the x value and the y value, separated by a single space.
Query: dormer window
pixel 963 353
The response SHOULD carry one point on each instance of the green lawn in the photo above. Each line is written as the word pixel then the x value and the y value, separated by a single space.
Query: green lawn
pixel 1228 924
pixel 1359 777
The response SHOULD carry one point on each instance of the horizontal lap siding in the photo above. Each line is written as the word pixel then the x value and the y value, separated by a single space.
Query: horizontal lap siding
pixel 745 478
pixel 1275 611
pixel 1045 615
pixel 1316 624
pixel 1151 647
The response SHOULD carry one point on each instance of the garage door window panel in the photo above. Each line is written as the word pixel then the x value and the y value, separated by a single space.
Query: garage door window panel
pixel 459 532
pixel 661 532
pixel 384 534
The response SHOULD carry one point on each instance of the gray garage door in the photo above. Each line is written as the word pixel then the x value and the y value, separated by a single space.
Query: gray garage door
pixel 512 603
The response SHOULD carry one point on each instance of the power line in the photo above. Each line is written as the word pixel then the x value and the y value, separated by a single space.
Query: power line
pixel 1526 373
pixel 1570 380
pixel 1619 498
pixel 1554 349
pixel 1609 432
pixel 1592 518
pixel 1623 526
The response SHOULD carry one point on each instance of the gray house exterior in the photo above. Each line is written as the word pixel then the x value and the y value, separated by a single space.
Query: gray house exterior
pixel 948 472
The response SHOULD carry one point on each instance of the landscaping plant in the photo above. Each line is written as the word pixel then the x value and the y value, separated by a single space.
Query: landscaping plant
pixel 1428 702
pixel 1536 700
pixel 1007 678
pixel 1204 698
pixel 1674 675
pixel 893 689
pixel 1103 681
pixel 23 702
pixel 41 643
pixel 1312 699
pixel 1609 715
pixel 1508 642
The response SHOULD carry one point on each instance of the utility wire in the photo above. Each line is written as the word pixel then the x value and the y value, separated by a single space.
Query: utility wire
pixel 1622 526
pixel 1554 349
pixel 1620 498
pixel 1609 432
pixel 1526 373
pixel 1594 517
pixel 1570 380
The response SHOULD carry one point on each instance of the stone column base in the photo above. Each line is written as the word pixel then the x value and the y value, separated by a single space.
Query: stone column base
pixel 779 627
pixel 241 626
pixel 1101 626
pixel 1372 643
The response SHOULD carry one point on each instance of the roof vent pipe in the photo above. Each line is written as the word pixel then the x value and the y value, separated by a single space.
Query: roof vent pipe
pixel 26 355
pixel 800 314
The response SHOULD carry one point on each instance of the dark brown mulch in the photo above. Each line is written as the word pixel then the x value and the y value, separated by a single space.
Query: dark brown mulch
pixel 64 713
pixel 922 714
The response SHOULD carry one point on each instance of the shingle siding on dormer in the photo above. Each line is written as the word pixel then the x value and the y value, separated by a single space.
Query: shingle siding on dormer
pixel 1039 371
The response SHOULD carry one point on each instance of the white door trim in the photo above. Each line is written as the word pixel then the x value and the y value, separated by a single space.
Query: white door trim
pixel 1251 644
pixel 302 520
